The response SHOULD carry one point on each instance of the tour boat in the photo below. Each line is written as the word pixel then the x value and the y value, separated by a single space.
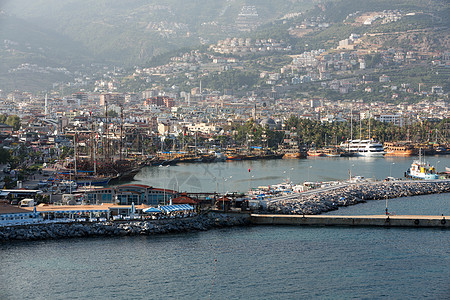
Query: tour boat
pixel 363 147
pixel 399 149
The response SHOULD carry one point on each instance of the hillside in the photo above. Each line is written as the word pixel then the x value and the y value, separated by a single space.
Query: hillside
pixel 48 41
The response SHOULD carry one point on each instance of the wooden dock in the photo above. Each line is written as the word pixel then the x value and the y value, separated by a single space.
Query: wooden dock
pixel 369 220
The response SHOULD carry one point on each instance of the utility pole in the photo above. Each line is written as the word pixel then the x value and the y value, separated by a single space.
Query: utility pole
pixel 121 131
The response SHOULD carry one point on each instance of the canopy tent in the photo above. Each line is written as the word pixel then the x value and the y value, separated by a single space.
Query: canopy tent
pixel 181 207
pixel 151 210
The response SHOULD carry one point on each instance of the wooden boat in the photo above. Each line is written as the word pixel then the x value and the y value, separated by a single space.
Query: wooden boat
pixel 234 157
pixel 313 152
pixel 399 149
pixel 293 153
pixel 332 152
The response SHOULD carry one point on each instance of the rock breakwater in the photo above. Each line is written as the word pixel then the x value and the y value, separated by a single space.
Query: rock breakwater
pixel 353 194
pixel 128 228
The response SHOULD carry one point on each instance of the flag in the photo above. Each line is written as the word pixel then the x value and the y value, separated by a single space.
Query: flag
pixel 249 169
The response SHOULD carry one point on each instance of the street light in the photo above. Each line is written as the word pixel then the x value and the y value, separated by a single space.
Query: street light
pixel 290 179
pixel 310 167
pixel 390 169
pixel 223 190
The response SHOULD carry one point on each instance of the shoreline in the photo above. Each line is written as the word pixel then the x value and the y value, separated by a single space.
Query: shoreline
pixel 53 231
pixel 311 204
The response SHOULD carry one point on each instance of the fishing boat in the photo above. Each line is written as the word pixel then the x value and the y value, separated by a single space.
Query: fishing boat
pixel 421 170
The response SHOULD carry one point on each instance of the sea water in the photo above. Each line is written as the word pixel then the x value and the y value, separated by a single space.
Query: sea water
pixel 241 176
pixel 258 262
pixel 255 262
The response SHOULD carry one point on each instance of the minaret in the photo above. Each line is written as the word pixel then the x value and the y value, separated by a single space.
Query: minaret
pixel 46 106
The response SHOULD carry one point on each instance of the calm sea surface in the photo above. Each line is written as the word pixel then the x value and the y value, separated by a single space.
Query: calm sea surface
pixel 235 175
pixel 246 263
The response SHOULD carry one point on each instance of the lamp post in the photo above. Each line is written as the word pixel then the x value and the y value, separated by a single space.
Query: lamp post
pixel 164 186
pixel 387 213
pixel 437 163
pixel 223 190
pixel 310 167
pixel 390 170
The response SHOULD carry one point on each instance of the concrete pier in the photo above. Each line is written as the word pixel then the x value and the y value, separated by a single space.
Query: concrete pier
pixel 370 220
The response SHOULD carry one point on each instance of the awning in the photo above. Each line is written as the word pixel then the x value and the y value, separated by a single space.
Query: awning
pixel 80 211
pixel 151 210
pixel 181 207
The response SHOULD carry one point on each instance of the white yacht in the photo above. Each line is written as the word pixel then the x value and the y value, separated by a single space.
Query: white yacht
pixel 363 147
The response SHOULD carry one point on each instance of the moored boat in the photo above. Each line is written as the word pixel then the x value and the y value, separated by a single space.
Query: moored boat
pixel 399 149
pixel 313 152
pixel 421 170
pixel 363 147
pixel 332 152
pixel 293 153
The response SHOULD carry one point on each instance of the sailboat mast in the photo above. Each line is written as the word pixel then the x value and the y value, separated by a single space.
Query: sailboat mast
pixel 121 132
pixel 351 124
pixel 106 145
pixel 75 154
pixel 360 127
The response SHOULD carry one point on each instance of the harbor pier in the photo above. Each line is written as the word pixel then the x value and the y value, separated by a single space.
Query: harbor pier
pixel 368 220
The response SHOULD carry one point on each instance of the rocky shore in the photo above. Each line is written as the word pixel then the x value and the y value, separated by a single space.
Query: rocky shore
pixel 354 194
pixel 122 228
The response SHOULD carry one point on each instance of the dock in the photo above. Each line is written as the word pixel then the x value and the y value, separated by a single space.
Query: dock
pixel 416 221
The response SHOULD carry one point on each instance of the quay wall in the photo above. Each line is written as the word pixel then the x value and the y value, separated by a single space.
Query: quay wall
pixel 377 221
pixel 121 228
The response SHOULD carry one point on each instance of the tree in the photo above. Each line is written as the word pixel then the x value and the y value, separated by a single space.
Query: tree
pixel 5 156
pixel 13 121
pixel 112 114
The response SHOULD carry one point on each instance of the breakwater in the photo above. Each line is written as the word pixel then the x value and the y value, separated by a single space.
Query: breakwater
pixel 121 228
pixel 350 194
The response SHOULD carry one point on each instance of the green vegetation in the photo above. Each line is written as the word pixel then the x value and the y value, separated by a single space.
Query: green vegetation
pixel 11 120
pixel 233 79
pixel 5 156
pixel 321 134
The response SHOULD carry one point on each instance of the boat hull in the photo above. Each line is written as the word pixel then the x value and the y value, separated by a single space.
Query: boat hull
pixel 422 177
pixel 295 155
pixel 401 153
pixel 94 181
